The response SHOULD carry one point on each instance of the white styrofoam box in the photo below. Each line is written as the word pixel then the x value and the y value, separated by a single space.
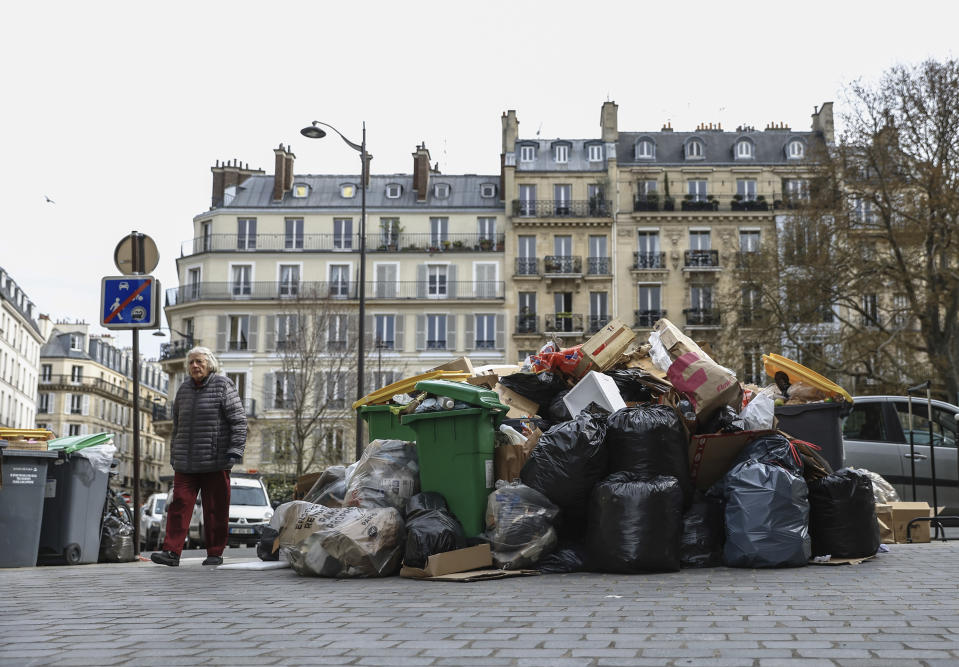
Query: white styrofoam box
pixel 594 388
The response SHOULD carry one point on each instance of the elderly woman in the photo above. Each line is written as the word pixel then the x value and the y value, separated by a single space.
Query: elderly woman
pixel 209 435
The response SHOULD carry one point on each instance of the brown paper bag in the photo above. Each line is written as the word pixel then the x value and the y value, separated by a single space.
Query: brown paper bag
pixel 508 460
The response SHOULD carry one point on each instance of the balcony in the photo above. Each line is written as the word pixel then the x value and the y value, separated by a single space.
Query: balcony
pixel 563 265
pixel 702 317
pixel 597 322
pixel 648 260
pixel 754 317
pixel 527 266
pixel 312 291
pixel 710 203
pixel 598 266
pixel 423 242
pixel 565 322
pixel 527 324
pixel 550 208
pixel 701 259
pixel 69 382
pixel 177 349
pixel 647 318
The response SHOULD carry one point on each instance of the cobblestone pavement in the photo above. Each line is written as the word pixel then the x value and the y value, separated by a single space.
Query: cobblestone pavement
pixel 901 608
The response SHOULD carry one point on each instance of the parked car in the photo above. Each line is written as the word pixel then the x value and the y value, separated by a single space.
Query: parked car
pixel 151 516
pixel 876 436
pixel 250 511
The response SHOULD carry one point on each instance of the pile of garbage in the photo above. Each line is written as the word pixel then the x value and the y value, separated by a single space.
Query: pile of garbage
pixel 612 456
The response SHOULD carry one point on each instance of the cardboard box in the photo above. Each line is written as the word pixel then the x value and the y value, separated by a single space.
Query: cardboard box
pixel 884 518
pixel 460 364
pixel 903 513
pixel 604 348
pixel 469 564
pixel 519 406
pixel 710 456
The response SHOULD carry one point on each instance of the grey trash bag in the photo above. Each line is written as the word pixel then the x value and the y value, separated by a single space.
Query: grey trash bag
pixel 116 541
pixel 767 517
pixel 387 475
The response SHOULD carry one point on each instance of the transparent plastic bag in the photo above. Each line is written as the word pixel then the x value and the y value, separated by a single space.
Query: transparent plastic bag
pixel 519 523
pixel 387 475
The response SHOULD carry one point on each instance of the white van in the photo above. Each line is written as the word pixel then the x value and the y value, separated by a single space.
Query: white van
pixel 151 515
pixel 250 511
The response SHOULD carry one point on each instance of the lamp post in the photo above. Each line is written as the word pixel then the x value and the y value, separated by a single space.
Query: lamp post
pixel 313 131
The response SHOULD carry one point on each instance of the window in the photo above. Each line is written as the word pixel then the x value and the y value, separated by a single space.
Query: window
pixel 749 240
pixel 870 310
pixel 697 189
pixel 294 234
pixel 334 390
pixel 389 232
pixel 246 234
pixel 596 198
pixel 342 233
pixel 746 189
pixel 284 386
pixel 384 331
pixel 384 378
pixel 650 300
pixel 694 149
pixel 526 320
pixel 486 285
pixel 753 371
pixel 795 149
pixel 394 190
pixel 347 190
pixel 76 374
pixel 486 228
pixel 488 190
pixel 193 283
pixel 526 261
pixel 744 149
pixel 598 258
pixel 485 332
pixel 645 149
pixel 289 279
pixel 595 153
pixel 562 193
pixel 286 328
pixel 74 429
pixel 239 333
pixel 943 425
pixel 701 298
pixel 242 284
pixel 339 280
pixel 752 300
pixel 561 153
pixel 796 190
pixel 337 332
pixel 43 403
pixel 436 285
pixel 863 211
pixel 439 232
pixel 300 190
pixel 385 287
pixel 527 200
pixel 900 309
pixel 436 332
pixel 646 187
pixel 564 320
pixel 46 372
pixel 598 310
pixel 527 153
pixel 76 404
pixel 441 190
pixel 76 342
pixel 648 255
pixel 206 235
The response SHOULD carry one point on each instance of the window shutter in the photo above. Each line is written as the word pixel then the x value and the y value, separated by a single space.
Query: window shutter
pixel 500 332
pixel 469 337
pixel 398 333
pixel 266 447
pixel 221 325
pixel 254 325
pixel 270 333
pixel 421 332
pixel 318 398
pixel 268 390
pixel 369 335
pixel 421 281
pixel 451 281
pixel 451 332
pixel 86 404
pixel 67 400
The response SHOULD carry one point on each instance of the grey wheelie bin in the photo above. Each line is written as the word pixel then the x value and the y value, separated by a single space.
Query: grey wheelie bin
pixel 23 478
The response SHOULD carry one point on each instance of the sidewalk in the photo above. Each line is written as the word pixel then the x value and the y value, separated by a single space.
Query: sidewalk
pixel 902 607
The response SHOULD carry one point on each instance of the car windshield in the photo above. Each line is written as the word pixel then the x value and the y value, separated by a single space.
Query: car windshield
pixel 247 495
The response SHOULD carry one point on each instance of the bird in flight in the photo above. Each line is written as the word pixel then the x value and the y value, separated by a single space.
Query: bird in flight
pixel 49 201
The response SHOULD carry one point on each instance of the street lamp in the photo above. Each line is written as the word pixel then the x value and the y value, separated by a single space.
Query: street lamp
pixel 313 131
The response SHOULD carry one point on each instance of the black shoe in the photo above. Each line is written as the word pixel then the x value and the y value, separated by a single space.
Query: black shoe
pixel 166 558
pixel 213 560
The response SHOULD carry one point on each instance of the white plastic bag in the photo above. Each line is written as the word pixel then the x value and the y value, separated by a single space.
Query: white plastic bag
pixel 100 456
pixel 658 353
pixel 759 413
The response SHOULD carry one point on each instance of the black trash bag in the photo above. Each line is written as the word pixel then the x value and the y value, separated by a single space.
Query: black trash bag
pixel 631 387
pixel 539 387
pixel 431 531
pixel 568 460
pixel 724 420
pixel 704 532
pixel 519 525
pixel 767 517
pixel 116 541
pixel 635 525
pixel 775 450
pixel 558 412
pixel 842 515
pixel 567 558
pixel 650 440
pixel 426 501
pixel 570 525
pixel 264 547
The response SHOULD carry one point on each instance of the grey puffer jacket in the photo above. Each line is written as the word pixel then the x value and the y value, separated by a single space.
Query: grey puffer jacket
pixel 208 424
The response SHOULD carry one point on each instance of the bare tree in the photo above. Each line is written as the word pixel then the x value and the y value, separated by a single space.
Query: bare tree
pixel 863 280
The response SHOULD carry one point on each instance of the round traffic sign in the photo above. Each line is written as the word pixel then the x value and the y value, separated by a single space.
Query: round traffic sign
pixel 135 254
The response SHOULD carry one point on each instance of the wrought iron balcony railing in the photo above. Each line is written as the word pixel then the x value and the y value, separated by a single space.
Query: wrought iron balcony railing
pixel 527 324
pixel 702 316
pixel 562 265
pixel 564 322
pixel 597 322
pixel 307 291
pixel 527 266
pixel 70 381
pixel 177 349
pixel 649 260
pixel 701 258
pixel 702 202
pixel 552 208
pixel 598 266
pixel 647 318
pixel 375 242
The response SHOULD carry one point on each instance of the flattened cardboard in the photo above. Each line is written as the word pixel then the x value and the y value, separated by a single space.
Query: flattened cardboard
pixel 841 561
pixel 451 562
pixel 711 455
pixel 483 575
pixel 519 406
pixel 458 364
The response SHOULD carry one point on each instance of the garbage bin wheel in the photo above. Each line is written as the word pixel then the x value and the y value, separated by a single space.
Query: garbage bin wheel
pixel 72 554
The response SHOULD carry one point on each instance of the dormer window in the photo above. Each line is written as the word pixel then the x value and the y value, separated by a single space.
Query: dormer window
pixel 394 190
pixel 695 149
pixel 441 190
pixel 744 149
pixel 488 190
pixel 595 153
pixel 300 190
pixel 347 191
pixel 527 153
pixel 561 153
pixel 645 149
pixel 795 150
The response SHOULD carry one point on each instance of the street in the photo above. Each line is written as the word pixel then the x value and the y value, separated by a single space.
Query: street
pixel 900 608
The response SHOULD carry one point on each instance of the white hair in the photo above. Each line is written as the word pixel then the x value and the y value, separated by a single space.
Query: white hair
pixel 211 361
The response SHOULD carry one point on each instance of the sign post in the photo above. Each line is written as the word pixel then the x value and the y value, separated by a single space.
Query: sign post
pixel 131 301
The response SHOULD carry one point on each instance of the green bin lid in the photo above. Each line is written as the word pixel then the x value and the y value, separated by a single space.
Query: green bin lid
pixel 462 391
pixel 73 443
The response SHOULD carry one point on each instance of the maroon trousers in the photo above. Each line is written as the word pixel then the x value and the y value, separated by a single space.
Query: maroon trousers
pixel 215 487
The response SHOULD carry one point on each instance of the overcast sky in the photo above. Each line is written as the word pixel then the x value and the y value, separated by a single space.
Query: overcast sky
pixel 117 110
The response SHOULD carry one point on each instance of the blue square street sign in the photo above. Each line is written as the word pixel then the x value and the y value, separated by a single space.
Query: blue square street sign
pixel 129 302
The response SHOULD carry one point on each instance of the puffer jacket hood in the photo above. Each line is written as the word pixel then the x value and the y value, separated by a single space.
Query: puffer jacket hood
pixel 209 424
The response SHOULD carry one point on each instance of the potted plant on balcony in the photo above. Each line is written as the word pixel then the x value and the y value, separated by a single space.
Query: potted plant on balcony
pixel 737 204
pixel 458 245
pixel 486 244
pixel 446 246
